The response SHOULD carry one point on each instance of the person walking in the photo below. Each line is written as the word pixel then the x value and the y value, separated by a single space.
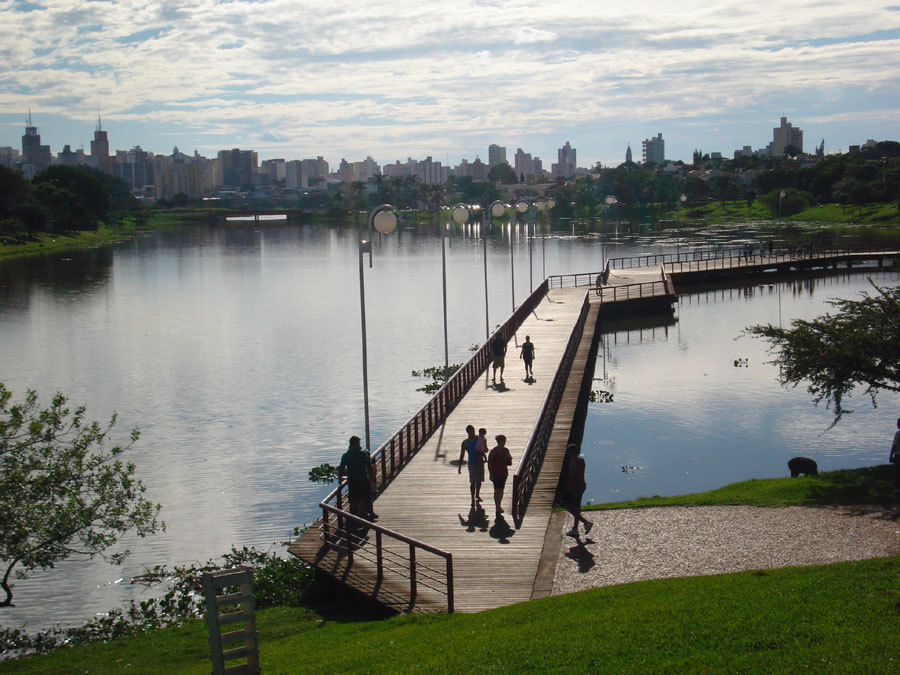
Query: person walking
pixel 894 458
pixel 355 465
pixel 574 489
pixel 499 461
pixel 527 355
pixel 498 351
pixel 476 459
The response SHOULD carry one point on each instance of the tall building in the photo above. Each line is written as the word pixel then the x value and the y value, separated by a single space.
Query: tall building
pixel 565 165
pixel 653 149
pixel 236 168
pixel 293 175
pixel 496 155
pixel 135 167
pixel 35 157
pixel 628 159
pixel 9 157
pixel 314 171
pixel 785 135
pixel 100 149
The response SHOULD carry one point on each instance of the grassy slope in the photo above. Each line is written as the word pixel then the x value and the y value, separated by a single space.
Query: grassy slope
pixel 832 618
pixel 870 485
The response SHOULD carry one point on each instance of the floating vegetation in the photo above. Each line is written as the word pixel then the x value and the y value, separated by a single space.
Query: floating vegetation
pixel 324 473
pixel 601 396
pixel 741 363
pixel 630 469
pixel 438 374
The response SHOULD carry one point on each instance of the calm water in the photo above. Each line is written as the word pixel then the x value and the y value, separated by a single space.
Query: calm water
pixel 237 352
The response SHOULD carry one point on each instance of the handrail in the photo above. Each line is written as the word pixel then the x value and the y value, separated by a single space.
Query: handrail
pixel 396 452
pixel 725 253
pixel 574 280
pixel 529 466
pixel 776 258
pixel 354 544
pixel 644 289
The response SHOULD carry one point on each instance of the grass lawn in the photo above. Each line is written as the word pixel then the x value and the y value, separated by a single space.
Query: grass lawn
pixel 842 617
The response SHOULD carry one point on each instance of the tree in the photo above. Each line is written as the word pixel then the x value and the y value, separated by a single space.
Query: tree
pixel 87 199
pixel 502 173
pixel 62 492
pixel 835 353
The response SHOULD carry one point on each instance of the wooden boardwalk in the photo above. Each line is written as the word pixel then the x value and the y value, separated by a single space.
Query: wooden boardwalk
pixel 426 500
pixel 494 563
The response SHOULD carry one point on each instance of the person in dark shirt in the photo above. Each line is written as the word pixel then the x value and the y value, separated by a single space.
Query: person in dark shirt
pixel 355 465
pixel 574 489
pixel 498 352
pixel 527 356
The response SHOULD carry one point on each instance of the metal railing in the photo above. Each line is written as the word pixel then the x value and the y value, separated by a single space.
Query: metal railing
pixel 742 259
pixel 350 534
pixel 668 259
pixel 644 289
pixel 394 454
pixel 573 280
pixel 529 466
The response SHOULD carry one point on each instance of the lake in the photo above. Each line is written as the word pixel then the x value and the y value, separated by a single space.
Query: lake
pixel 236 350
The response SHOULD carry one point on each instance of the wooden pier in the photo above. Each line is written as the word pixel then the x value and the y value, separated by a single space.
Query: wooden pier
pixel 429 551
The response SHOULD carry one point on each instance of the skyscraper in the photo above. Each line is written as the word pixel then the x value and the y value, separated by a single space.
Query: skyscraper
pixel 100 149
pixel 496 155
pixel 35 157
pixel 565 164
pixel 653 149
pixel 785 135
pixel 628 159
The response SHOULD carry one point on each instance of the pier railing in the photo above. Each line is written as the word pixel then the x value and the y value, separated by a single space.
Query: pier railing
pixel 673 260
pixel 529 466
pixel 338 525
pixel 353 536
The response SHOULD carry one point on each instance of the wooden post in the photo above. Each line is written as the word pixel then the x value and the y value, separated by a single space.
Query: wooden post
pixel 213 583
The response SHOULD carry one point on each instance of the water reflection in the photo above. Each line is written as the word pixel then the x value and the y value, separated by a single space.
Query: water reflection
pixel 237 351
pixel 697 405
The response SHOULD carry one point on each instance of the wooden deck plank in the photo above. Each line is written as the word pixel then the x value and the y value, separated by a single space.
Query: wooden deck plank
pixel 494 563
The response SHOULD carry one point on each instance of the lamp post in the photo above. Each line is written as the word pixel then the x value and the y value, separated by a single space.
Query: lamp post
pixel 460 213
pixel 610 202
pixel 541 206
pixel 681 200
pixel 384 218
pixel 522 207
pixel 781 195
pixel 496 209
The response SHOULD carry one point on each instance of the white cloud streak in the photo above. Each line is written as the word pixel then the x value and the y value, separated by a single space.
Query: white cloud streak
pixel 353 78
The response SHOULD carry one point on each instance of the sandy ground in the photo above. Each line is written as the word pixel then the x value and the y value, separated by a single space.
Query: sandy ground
pixel 634 544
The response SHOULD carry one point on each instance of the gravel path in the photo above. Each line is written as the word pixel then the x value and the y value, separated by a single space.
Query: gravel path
pixel 633 544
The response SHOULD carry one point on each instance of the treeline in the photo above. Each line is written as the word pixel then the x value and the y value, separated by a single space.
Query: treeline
pixel 859 178
pixel 61 199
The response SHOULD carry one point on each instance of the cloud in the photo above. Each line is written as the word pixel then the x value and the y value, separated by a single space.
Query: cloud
pixel 345 75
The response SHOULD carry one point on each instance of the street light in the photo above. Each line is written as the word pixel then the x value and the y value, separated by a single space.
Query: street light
pixel 384 218
pixel 781 195
pixel 541 205
pixel 610 202
pixel 522 207
pixel 460 214
pixel 496 209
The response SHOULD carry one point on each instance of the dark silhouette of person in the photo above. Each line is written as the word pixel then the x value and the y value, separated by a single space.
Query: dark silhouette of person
pixel 499 461
pixel 894 458
pixel 476 457
pixel 498 352
pixel 355 465
pixel 574 489
pixel 527 355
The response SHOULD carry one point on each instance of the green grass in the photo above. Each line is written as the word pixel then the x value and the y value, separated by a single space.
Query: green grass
pixel 842 617
pixel 870 485
pixel 832 618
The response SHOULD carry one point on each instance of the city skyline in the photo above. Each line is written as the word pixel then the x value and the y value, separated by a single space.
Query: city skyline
pixel 348 81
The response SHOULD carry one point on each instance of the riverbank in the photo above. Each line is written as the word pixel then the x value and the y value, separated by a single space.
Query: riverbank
pixel 45 242
pixel 786 620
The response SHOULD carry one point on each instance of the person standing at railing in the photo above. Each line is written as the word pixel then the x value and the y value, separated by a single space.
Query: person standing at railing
pixel 355 465
pixel 499 461
pixel 476 458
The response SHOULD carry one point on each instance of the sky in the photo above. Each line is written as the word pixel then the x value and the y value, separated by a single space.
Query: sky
pixel 416 78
